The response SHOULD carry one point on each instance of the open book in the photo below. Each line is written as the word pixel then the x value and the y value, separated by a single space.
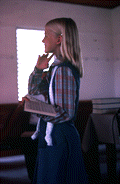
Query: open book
pixel 39 107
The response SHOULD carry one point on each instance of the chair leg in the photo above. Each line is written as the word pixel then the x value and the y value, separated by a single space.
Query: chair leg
pixel 111 162
pixel 91 159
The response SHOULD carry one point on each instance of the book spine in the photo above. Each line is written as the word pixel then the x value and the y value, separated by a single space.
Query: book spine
pixel 104 111
pixel 106 100
pixel 104 106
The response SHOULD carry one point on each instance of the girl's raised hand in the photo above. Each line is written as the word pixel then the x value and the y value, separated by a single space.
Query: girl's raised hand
pixel 42 62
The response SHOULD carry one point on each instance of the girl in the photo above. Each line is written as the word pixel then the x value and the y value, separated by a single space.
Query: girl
pixel 59 159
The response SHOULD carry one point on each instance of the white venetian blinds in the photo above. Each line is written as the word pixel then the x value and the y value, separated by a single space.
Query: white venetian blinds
pixel 29 46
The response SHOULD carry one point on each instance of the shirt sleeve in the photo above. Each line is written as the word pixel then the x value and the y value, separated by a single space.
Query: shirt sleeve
pixel 65 95
pixel 37 83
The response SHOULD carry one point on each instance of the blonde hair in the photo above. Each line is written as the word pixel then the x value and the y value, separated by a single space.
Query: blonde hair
pixel 69 48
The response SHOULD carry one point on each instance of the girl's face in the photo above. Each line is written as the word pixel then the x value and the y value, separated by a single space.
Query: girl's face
pixel 51 41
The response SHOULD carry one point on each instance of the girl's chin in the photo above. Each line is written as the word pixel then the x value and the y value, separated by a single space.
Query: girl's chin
pixel 47 51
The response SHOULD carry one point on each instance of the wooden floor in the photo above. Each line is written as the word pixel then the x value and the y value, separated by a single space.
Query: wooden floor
pixel 13 169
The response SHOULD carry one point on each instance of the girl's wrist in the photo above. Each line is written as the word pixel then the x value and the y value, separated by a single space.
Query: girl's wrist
pixel 38 70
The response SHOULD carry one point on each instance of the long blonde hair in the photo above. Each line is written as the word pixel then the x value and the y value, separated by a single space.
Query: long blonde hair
pixel 70 48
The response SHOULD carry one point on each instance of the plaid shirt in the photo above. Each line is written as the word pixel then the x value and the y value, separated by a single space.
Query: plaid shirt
pixel 65 91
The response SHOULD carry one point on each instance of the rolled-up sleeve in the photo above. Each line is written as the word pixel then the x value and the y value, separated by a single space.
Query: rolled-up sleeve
pixel 38 82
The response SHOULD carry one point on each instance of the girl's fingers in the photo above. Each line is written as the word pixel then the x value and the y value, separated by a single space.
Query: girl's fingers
pixel 45 55
pixel 43 61
pixel 50 57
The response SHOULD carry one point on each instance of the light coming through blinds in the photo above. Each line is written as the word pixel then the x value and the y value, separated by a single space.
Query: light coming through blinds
pixel 29 46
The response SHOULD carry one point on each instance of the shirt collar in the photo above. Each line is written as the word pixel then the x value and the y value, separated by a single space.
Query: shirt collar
pixel 57 61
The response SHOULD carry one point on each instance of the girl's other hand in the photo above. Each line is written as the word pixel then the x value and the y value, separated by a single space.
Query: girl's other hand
pixel 23 100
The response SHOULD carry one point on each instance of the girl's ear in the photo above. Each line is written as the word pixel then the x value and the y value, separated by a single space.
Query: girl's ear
pixel 59 39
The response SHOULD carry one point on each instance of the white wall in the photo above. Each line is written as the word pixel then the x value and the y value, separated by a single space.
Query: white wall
pixel 116 48
pixel 96 38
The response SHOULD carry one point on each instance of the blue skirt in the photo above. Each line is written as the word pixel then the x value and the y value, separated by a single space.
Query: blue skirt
pixel 61 163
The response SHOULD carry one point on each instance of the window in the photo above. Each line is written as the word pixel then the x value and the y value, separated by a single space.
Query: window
pixel 29 46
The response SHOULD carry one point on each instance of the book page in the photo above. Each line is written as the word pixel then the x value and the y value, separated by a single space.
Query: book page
pixel 39 107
